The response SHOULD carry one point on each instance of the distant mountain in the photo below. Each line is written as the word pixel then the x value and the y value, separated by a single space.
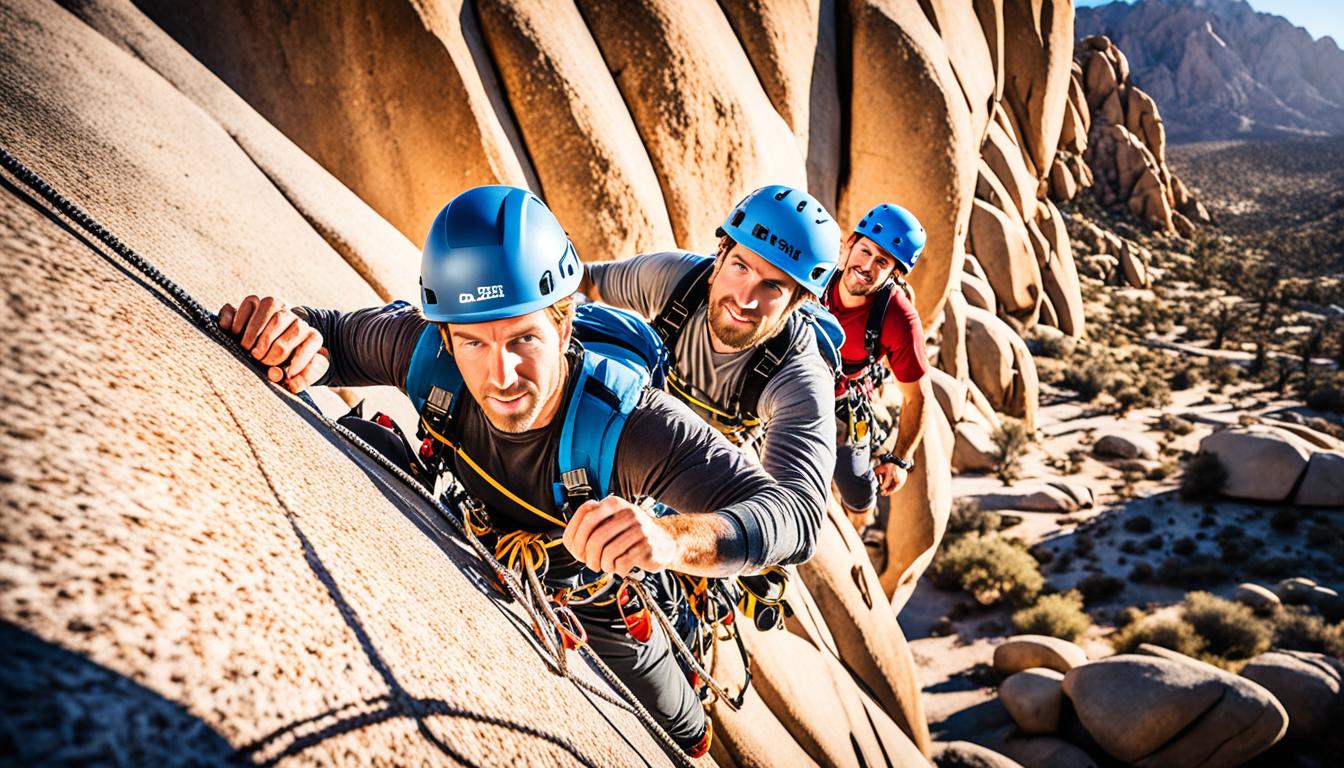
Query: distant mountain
pixel 1219 69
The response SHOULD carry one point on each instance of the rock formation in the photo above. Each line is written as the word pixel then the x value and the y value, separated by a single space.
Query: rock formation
pixel 253 147
pixel 1221 70
pixel 1271 463
pixel 1126 144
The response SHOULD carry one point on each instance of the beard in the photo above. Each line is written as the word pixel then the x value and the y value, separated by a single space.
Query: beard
pixel 858 286
pixel 734 334
pixel 515 421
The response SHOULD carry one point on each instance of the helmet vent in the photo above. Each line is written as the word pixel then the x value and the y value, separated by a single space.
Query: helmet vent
pixel 738 216
pixel 802 205
pixel 817 272
pixel 783 193
pixel 546 284
pixel 431 297
pixel 877 229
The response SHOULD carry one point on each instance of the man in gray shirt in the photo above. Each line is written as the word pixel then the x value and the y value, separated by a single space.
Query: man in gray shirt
pixel 778 248
pixel 497 275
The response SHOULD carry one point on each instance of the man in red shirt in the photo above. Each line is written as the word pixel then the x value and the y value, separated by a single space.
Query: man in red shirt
pixel 871 299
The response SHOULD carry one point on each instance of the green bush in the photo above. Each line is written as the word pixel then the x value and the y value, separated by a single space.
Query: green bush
pixel 1194 572
pixel 1230 630
pixel 1176 634
pixel 1204 476
pixel 1297 629
pixel 1059 615
pixel 990 569
pixel 1011 440
pixel 967 517
pixel 1099 587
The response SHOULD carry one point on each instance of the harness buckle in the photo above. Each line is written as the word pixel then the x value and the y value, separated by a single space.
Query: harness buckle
pixel 576 485
pixel 439 402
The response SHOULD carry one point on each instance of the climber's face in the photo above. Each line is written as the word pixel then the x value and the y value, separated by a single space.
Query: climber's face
pixel 749 298
pixel 514 368
pixel 867 266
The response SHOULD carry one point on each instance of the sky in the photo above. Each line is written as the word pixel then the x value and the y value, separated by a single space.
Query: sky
pixel 1319 17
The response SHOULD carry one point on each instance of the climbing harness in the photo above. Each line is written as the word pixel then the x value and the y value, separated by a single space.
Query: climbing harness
pixel 739 419
pixel 546 613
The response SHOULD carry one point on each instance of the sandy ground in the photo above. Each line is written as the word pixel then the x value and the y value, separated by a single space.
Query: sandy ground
pixel 959 686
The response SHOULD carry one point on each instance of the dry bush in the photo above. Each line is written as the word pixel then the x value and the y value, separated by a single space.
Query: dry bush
pixel 1204 477
pixel 990 569
pixel 1297 629
pixel 1230 630
pixel 1175 634
pixel 1099 587
pixel 1059 615
pixel 1011 440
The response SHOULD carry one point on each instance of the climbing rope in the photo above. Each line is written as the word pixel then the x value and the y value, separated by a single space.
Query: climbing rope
pixel 531 599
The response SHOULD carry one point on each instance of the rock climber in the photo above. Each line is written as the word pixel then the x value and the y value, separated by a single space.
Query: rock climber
pixel 742 356
pixel 874 304
pixel 497 279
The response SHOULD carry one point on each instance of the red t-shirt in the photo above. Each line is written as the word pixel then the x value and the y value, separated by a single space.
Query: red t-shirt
pixel 902 339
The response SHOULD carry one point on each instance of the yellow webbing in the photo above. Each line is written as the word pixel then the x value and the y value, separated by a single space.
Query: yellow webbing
pixel 492 481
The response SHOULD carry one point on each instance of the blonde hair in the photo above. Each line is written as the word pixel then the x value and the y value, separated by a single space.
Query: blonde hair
pixel 561 311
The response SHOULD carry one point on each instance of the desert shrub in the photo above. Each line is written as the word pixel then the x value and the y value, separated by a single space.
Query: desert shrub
pixel 1059 615
pixel 1297 629
pixel 1185 378
pixel 1140 573
pixel 1230 630
pixel 1161 471
pixel 1204 476
pixel 967 517
pixel 1127 616
pixel 1194 572
pixel 1011 441
pixel 1064 562
pixel 1133 547
pixel 1183 546
pixel 1099 587
pixel 989 568
pixel 1235 547
pixel 1284 519
pixel 1176 634
pixel 1271 567
pixel 1139 524
pixel 1327 396
pixel 1088 381
pixel 1083 544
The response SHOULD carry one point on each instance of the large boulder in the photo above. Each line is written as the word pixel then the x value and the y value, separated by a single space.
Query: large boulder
pixel 1004 159
pixel 1323 484
pixel 974 449
pixel 1024 397
pixel 917 513
pixel 712 134
pixel 1038 56
pixel 975 289
pixel 849 596
pixel 1033 698
pixel 1154 711
pixel 951 394
pixel 1003 249
pixel 792 47
pixel 1310 686
pixel 923 158
pixel 952 340
pixel 1259 598
pixel 593 168
pixel 751 735
pixel 1046 498
pixel 239 584
pixel 966 754
pixel 968 48
pixel 1046 752
pixel 1059 277
pixel 1026 651
pixel 1262 462
pixel 353 95
pixel 989 349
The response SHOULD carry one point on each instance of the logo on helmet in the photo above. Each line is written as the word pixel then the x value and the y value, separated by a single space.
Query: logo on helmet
pixel 483 293
pixel 760 232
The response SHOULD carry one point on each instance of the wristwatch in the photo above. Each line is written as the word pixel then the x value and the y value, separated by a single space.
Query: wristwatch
pixel 891 458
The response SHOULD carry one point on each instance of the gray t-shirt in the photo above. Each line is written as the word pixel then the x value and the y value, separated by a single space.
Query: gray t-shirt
pixel 665 452
pixel 797 405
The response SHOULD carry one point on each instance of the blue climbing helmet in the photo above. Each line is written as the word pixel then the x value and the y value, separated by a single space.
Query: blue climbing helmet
pixel 896 231
pixel 495 252
pixel 790 229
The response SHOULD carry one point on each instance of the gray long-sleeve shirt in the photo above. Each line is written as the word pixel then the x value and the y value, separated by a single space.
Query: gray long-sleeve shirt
pixel 664 452
pixel 797 405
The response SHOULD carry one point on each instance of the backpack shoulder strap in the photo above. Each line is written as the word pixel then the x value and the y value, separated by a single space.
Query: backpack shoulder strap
pixel 433 381
pixel 766 361
pixel 623 337
pixel 877 316
pixel 604 396
pixel 691 293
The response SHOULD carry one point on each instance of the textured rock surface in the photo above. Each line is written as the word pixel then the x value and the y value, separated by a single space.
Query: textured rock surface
pixel 917 513
pixel 322 81
pixel 1154 711
pixel 1026 651
pixel 1125 445
pixel 1033 697
pixel 1257 597
pixel 1310 686
pixel 965 754
pixel 1261 462
pixel 929 153
pixel 1323 484
pixel 1047 752
pixel 712 143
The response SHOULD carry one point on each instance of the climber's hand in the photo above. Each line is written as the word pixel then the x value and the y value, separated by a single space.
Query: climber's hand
pixel 615 536
pixel 890 478
pixel 276 337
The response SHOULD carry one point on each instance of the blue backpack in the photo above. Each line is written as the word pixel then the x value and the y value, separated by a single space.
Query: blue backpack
pixel 622 355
